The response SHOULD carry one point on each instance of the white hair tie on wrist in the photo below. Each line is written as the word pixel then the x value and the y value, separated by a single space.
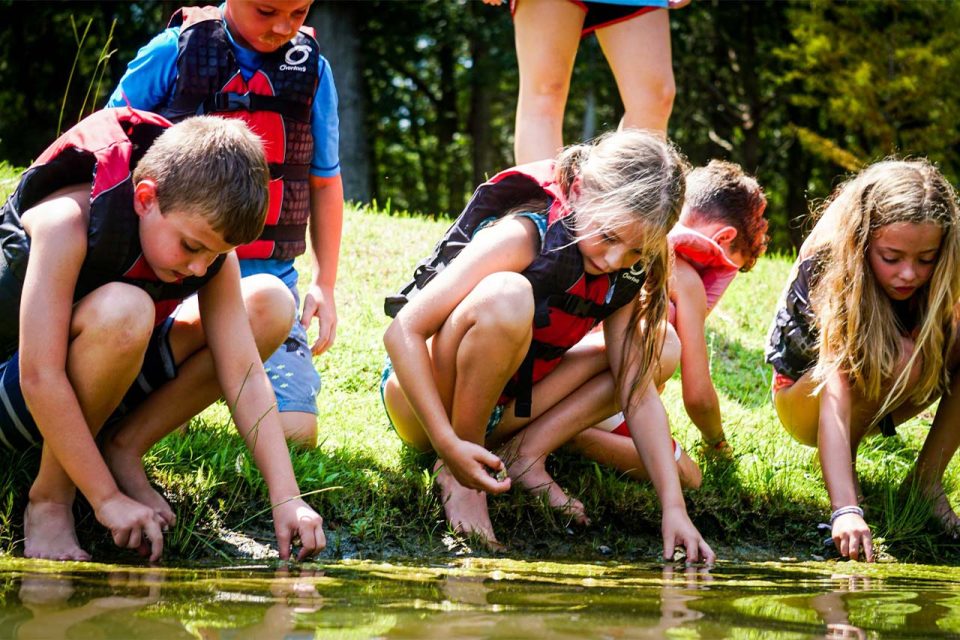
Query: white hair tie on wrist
pixel 842 511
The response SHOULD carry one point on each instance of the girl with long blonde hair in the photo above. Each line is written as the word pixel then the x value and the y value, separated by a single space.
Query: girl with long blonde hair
pixel 865 333
pixel 478 346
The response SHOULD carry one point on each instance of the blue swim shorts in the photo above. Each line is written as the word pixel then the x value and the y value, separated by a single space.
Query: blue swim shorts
pixel 18 431
pixel 295 380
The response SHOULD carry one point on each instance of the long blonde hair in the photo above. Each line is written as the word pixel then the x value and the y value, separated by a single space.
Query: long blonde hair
pixel 859 334
pixel 621 178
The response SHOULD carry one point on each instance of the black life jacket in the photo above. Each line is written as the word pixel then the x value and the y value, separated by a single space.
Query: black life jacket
pixel 275 103
pixel 568 302
pixel 793 343
pixel 102 149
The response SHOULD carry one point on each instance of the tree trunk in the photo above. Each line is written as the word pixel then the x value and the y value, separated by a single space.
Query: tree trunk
pixel 337 32
pixel 447 125
pixel 590 114
pixel 481 96
pixel 751 109
pixel 798 213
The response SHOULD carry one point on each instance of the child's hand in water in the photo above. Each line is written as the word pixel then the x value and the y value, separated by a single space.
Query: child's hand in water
pixel 678 531
pixel 132 524
pixel 472 464
pixel 852 535
pixel 294 521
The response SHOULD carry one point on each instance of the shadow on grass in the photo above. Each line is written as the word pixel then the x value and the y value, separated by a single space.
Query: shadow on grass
pixel 383 512
pixel 739 372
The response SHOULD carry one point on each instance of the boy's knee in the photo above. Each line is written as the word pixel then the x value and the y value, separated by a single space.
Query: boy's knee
pixel 124 314
pixel 270 307
pixel 300 428
pixel 670 355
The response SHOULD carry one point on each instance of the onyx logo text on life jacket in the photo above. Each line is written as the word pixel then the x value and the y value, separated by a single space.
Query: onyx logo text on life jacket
pixel 295 58
pixel 635 275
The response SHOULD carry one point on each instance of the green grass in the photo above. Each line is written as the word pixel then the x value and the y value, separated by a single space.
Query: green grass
pixel 376 495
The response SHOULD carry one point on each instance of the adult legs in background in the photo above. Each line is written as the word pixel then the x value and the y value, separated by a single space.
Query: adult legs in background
pixel 638 52
pixel 547 35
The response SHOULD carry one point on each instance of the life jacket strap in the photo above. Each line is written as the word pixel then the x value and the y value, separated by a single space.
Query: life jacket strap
pixel 280 171
pixel 283 232
pixel 524 389
pixel 225 101
pixel 576 306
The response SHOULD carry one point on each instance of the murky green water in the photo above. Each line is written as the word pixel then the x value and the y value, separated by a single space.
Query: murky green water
pixel 478 599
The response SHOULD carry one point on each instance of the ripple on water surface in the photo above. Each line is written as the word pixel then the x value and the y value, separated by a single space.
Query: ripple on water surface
pixel 477 598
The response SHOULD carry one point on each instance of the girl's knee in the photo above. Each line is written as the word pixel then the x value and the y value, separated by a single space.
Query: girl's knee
pixel 799 416
pixel 907 347
pixel 402 417
pixel 503 302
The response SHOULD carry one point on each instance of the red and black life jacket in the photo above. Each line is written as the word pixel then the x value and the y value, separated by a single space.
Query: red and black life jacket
pixel 275 103
pixel 102 149
pixel 568 302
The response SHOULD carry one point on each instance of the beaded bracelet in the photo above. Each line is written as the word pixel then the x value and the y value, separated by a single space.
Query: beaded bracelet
pixel 842 511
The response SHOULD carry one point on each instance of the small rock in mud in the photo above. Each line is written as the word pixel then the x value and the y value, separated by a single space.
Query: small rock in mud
pixel 247 547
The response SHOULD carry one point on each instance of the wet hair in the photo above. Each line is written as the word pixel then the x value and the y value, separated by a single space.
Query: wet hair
pixel 859 333
pixel 722 192
pixel 214 168
pixel 617 180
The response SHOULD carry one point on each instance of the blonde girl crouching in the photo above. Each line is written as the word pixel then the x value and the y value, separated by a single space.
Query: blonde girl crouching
pixel 459 348
pixel 864 335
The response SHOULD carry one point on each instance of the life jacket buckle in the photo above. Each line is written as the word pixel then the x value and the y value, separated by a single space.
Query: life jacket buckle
pixel 227 101
pixel 580 307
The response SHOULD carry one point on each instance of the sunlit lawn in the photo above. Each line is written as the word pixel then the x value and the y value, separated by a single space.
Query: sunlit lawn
pixel 376 495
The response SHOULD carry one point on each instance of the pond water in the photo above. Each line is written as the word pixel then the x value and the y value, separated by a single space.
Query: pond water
pixel 478 598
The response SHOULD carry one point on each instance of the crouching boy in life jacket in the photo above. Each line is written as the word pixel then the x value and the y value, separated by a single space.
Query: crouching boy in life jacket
pixel 257 62
pixel 721 231
pixel 116 222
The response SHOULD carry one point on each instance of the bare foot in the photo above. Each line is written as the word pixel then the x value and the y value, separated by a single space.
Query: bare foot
pixel 127 470
pixel 719 451
pixel 466 509
pixel 49 532
pixel 690 475
pixel 531 474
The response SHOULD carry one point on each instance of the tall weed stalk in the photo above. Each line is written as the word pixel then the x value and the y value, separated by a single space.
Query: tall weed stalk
pixel 92 96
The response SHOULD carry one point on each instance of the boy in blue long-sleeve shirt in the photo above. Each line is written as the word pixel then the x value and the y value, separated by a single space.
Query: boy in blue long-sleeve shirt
pixel 255 61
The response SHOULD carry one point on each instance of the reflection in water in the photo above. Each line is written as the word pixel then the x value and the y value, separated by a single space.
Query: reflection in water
pixel 476 598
